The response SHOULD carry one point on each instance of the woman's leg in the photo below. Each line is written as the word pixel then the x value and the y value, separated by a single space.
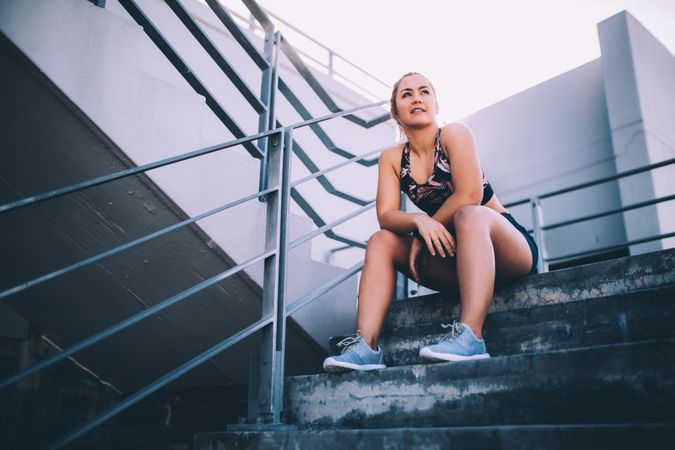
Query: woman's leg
pixel 387 252
pixel 488 246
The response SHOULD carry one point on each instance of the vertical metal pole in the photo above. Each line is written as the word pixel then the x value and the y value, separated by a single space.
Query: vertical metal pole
pixel 537 223
pixel 402 280
pixel 331 69
pixel 268 345
pixel 278 369
pixel 267 120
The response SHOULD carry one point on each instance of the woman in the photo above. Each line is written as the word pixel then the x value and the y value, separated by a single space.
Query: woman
pixel 465 239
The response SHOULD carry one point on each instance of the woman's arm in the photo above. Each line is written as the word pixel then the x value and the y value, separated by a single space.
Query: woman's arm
pixel 467 177
pixel 388 200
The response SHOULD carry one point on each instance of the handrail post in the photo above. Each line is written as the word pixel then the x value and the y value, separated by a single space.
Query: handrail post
pixel 537 224
pixel 331 69
pixel 262 408
pixel 267 120
pixel 267 409
pixel 402 280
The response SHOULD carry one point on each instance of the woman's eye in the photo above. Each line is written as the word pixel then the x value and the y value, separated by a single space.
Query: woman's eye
pixel 405 94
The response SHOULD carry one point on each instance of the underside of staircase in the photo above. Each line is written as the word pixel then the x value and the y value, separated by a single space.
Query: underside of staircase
pixel 581 358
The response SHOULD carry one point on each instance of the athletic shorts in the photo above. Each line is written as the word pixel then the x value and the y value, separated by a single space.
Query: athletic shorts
pixel 530 240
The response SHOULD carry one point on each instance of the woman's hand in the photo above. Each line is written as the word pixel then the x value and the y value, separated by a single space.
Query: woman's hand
pixel 435 235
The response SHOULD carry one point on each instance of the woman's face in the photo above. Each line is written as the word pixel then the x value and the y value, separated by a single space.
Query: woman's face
pixel 416 102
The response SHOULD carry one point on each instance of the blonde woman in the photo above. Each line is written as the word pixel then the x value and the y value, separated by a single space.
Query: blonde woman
pixel 464 240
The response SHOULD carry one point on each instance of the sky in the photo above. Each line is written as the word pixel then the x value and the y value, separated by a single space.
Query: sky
pixel 475 52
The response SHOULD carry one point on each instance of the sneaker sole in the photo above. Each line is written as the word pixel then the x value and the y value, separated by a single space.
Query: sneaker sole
pixel 338 366
pixel 433 356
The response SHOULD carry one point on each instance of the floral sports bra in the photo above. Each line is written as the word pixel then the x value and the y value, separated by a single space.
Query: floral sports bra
pixel 430 196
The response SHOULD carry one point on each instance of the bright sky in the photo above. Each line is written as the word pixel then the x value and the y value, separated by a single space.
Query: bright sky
pixel 476 52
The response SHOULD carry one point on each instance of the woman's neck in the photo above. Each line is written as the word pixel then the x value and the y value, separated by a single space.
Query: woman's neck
pixel 422 141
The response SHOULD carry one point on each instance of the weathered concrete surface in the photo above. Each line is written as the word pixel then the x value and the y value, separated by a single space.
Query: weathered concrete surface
pixel 550 437
pixel 631 317
pixel 595 280
pixel 44 407
pixel 611 384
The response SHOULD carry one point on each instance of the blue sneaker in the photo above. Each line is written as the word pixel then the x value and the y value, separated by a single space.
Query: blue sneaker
pixel 460 344
pixel 356 355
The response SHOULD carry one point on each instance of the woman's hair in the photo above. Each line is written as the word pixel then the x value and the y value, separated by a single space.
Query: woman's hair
pixel 393 110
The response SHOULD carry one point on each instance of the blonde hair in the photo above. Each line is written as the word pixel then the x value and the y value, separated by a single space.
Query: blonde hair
pixel 393 110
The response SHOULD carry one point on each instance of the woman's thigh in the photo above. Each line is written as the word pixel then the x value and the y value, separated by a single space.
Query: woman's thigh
pixel 435 272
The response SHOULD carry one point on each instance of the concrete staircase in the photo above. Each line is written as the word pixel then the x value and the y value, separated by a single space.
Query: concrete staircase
pixel 582 357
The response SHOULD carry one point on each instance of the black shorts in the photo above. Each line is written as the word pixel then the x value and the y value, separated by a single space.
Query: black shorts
pixel 530 240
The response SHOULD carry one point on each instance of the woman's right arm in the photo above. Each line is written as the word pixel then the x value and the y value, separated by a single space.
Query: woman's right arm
pixel 388 205
pixel 388 200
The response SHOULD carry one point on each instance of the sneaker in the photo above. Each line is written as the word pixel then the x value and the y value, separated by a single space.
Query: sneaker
pixel 355 355
pixel 460 344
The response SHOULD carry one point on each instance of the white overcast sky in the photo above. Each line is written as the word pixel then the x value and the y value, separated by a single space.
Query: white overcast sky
pixel 476 52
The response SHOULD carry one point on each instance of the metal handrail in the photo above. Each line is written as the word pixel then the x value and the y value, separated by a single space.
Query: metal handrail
pixel 313 40
pixel 128 245
pixel 132 171
pixel 538 218
pixel 187 72
pixel 91 340
pixel 163 381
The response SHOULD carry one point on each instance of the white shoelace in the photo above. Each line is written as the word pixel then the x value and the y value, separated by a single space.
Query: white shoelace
pixel 456 328
pixel 348 342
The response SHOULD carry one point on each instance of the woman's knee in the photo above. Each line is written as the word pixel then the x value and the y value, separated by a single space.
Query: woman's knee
pixel 470 217
pixel 383 241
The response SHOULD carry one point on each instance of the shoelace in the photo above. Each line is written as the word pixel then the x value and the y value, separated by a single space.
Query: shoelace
pixel 456 328
pixel 348 342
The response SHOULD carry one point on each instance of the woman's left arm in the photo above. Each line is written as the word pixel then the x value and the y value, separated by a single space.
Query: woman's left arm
pixel 467 177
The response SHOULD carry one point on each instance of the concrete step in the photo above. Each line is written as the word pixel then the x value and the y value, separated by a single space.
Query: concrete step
pixel 621 383
pixel 551 437
pixel 631 317
pixel 601 279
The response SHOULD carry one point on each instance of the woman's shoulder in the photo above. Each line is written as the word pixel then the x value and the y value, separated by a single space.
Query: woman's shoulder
pixel 392 155
pixel 455 130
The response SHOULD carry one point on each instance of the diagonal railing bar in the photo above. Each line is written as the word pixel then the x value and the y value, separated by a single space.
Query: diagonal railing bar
pixel 613 247
pixel 259 14
pixel 210 48
pixel 308 236
pixel 91 340
pixel 132 171
pixel 186 71
pixel 316 86
pixel 323 181
pixel 610 212
pixel 617 176
pixel 310 297
pixel 238 34
pixel 576 187
pixel 335 167
pixel 163 381
pixel 36 281
pixel 318 221
pixel 323 137
pixel 297 30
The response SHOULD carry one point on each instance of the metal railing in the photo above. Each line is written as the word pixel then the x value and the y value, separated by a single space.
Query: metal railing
pixel 539 226
pixel 330 55
pixel 276 308
pixel 275 144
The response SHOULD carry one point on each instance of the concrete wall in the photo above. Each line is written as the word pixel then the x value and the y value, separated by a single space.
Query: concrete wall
pixel 639 75
pixel 104 62
pixel 551 136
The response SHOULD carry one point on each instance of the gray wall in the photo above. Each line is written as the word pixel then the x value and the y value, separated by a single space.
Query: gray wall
pixel 639 77
pixel 550 136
